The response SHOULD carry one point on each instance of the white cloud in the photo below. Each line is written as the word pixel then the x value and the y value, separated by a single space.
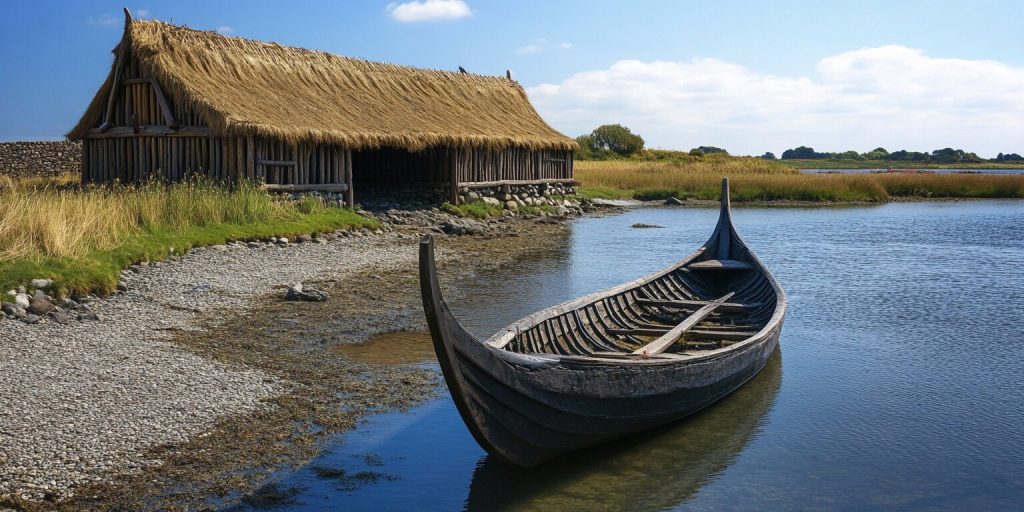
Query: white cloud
pixel 142 13
pixel 429 10
pixel 890 96
pixel 541 45
pixel 225 30
pixel 105 20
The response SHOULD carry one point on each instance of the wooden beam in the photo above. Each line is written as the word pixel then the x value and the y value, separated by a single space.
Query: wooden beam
pixel 313 187
pixel 164 105
pixel 671 337
pixel 148 131
pixel 489 184
pixel 122 49
pixel 286 163
pixel 720 265
pixel 694 304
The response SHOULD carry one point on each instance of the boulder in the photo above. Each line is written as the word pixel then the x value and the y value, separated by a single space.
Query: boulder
pixel 12 310
pixel 31 319
pixel 297 292
pixel 460 227
pixel 60 317
pixel 40 306
pixel 42 284
pixel 122 286
pixel 673 201
pixel 303 239
pixel 21 300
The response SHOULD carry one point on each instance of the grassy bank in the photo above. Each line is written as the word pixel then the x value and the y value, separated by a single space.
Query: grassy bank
pixel 754 179
pixel 83 238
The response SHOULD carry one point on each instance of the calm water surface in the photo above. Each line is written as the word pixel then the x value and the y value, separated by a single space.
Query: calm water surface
pixel 898 384
pixel 1016 170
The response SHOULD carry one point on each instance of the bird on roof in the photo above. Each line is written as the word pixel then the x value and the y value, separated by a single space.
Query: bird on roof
pixel 462 70
pixel 508 74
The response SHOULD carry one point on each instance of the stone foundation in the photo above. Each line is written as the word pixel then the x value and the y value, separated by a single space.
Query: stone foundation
pixel 511 197
pixel 44 158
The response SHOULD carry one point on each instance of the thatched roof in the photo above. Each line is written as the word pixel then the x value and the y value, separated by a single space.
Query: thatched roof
pixel 241 87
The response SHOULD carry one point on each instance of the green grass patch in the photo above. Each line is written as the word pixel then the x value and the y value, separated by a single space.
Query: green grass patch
pixel 475 210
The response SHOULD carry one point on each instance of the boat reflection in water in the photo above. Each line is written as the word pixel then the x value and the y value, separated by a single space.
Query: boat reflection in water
pixel 655 471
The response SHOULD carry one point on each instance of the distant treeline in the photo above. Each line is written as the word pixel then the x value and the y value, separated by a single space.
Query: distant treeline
pixel 945 155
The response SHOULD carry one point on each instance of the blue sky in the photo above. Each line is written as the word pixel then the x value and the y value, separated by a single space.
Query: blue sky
pixel 748 76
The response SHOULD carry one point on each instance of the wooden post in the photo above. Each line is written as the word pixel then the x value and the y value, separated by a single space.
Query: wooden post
pixel 250 158
pixel 349 194
pixel 453 196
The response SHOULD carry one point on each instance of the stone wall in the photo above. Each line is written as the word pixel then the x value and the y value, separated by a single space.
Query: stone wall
pixel 45 158
pixel 511 197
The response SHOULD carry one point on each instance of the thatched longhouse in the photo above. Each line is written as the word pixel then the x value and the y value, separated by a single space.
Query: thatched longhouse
pixel 180 101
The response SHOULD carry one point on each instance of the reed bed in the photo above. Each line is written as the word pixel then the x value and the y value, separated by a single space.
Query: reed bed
pixel 83 237
pixel 751 180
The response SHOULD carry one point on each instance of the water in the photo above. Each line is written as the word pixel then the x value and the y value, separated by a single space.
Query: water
pixel 898 384
pixel 1017 170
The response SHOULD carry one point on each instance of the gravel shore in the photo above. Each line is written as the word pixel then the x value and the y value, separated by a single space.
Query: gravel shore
pixel 83 401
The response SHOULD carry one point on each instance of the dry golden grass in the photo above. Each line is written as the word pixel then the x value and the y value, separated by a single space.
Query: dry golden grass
pixel 754 179
pixel 82 238
pixel 43 217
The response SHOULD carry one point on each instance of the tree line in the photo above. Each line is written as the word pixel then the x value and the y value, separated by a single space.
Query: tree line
pixel 945 155
pixel 614 139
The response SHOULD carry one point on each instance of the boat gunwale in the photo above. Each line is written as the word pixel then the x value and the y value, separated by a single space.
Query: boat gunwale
pixel 503 337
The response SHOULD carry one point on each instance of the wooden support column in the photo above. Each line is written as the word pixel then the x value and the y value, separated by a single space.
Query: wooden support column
pixel 453 192
pixel 349 194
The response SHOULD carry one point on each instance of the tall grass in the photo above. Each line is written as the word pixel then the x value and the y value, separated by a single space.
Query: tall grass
pixel 753 179
pixel 83 237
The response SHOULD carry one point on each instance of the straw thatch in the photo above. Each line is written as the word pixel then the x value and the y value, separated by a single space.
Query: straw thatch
pixel 245 87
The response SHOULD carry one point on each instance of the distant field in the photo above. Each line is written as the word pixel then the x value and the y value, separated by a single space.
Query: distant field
pixel 885 164
pixel 82 239
pixel 754 179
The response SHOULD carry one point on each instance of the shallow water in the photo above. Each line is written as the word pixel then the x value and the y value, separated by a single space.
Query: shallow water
pixel 898 384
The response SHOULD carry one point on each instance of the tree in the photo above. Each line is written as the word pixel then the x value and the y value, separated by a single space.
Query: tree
pixel 711 150
pixel 804 152
pixel 617 138
pixel 696 152
pixel 768 155
pixel 876 154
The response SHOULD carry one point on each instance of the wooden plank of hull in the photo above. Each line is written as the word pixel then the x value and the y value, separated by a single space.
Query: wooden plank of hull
pixel 526 408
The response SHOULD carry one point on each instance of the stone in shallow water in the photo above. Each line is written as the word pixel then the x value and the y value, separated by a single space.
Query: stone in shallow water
pixel 673 201
pixel 297 292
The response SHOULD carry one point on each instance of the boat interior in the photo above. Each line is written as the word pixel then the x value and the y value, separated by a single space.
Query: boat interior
pixel 703 304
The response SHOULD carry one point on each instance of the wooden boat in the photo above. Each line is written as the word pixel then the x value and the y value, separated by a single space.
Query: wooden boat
pixel 615 362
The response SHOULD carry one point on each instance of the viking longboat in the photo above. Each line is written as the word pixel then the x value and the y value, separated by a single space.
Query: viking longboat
pixel 615 362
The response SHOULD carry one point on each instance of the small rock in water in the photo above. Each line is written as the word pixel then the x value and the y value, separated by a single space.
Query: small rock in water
pixel 641 225
pixel 299 293
pixel 674 201
pixel 42 284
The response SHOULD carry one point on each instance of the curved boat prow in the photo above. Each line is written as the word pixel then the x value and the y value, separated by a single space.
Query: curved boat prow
pixel 721 239
pixel 444 328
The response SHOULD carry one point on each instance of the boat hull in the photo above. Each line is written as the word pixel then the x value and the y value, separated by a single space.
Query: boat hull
pixel 526 409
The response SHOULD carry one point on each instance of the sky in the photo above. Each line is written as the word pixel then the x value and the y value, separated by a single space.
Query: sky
pixel 749 77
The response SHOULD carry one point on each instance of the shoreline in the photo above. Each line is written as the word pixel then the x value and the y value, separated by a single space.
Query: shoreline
pixel 216 313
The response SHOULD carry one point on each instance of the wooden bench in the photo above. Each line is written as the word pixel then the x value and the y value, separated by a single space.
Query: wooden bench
pixel 672 336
